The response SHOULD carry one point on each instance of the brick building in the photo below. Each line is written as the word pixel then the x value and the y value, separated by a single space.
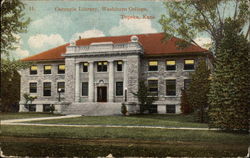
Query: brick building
pixel 93 76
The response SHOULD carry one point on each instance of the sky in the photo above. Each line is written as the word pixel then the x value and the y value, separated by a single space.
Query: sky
pixel 56 22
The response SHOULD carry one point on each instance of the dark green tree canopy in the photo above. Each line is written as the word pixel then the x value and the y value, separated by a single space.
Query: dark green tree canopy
pixel 187 18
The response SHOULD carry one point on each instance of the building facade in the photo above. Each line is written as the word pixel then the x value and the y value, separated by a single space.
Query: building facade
pixel 95 75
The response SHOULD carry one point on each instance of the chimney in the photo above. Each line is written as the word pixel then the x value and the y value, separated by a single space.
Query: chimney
pixel 80 37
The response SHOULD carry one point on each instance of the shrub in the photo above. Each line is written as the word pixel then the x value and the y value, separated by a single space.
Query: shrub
pixel 124 109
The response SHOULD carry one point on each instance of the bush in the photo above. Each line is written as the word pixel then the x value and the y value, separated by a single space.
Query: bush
pixel 124 109
pixel 52 108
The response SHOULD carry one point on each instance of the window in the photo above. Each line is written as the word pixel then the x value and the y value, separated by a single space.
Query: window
pixel 171 87
pixel 47 69
pixel 33 70
pixel 153 87
pixel 85 67
pixel 119 66
pixel 61 69
pixel 119 88
pixel 47 89
pixel 153 66
pixel 187 83
pixel 170 109
pixel 85 89
pixel 189 64
pixel 61 85
pixel 102 66
pixel 46 107
pixel 32 107
pixel 153 109
pixel 170 65
pixel 33 87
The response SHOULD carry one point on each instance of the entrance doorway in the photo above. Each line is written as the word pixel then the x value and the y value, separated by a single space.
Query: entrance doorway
pixel 101 94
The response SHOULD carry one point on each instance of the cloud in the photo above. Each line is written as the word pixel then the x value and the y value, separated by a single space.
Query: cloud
pixel 19 52
pixel 40 42
pixel 204 42
pixel 133 26
pixel 54 23
pixel 88 34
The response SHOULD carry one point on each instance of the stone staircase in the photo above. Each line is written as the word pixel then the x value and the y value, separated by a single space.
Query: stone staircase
pixel 93 109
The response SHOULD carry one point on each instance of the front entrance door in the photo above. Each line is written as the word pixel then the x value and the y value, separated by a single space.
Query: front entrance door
pixel 101 94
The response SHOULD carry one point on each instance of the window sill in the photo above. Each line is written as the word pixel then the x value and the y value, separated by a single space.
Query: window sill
pixel 170 96
pixel 170 71
pixel 189 70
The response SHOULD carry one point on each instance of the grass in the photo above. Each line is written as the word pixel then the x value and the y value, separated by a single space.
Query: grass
pixel 128 150
pixel 151 120
pixel 21 115
pixel 127 133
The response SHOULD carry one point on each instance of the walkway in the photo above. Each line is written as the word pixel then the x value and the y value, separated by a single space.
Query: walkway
pixel 20 122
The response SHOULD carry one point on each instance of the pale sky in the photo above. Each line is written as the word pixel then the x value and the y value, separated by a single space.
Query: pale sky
pixel 56 22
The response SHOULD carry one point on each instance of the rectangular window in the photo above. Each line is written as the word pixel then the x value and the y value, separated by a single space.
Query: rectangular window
pixel 85 89
pixel 61 69
pixel 85 67
pixel 102 66
pixel 153 66
pixel 119 88
pixel 170 109
pixel 61 86
pixel 47 89
pixel 33 87
pixel 32 107
pixel 189 64
pixel 153 87
pixel 46 107
pixel 153 109
pixel 119 66
pixel 170 65
pixel 170 87
pixel 187 83
pixel 47 69
pixel 33 70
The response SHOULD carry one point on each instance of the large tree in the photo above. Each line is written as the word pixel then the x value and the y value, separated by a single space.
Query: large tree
pixel 188 18
pixel 229 95
pixel 13 22
pixel 198 90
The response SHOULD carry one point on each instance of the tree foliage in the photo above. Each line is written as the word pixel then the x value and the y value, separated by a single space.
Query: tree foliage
pixel 229 95
pixel 187 18
pixel 199 89
pixel 185 106
pixel 10 87
pixel 28 100
pixel 145 98
pixel 13 22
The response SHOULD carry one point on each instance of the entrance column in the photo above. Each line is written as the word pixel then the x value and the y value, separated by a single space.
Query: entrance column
pixel 111 81
pixel 125 80
pixel 91 81
pixel 77 83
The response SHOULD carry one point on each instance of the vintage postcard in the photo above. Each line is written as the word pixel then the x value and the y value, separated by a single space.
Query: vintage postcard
pixel 124 78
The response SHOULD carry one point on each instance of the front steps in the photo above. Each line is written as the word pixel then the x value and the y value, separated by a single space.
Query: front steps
pixel 93 109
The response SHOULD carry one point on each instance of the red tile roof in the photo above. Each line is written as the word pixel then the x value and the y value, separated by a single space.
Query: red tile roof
pixel 153 44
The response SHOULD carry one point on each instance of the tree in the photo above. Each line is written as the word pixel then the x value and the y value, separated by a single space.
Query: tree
pixel 13 22
pixel 145 98
pixel 28 100
pixel 10 88
pixel 199 89
pixel 187 18
pixel 185 106
pixel 229 95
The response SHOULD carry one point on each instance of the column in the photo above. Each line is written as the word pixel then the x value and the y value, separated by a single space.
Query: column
pixel 77 83
pixel 125 80
pixel 91 81
pixel 111 81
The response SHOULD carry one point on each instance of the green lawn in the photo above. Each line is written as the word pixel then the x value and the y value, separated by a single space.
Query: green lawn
pixel 128 133
pixel 20 115
pixel 152 120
